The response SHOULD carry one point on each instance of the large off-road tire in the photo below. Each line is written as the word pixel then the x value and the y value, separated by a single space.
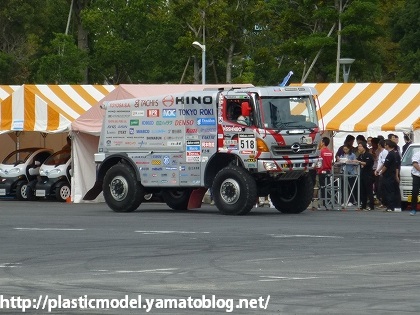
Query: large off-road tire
pixel 21 191
pixel 293 196
pixel 122 191
pixel 62 191
pixel 177 199
pixel 234 191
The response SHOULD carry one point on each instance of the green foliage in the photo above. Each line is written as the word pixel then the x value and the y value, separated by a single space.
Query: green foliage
pixel 252 41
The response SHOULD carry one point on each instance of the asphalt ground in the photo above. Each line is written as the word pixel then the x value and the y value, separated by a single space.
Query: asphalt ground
pixel 316 262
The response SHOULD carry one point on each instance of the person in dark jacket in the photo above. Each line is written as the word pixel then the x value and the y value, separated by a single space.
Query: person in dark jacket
pixel 366 184
pixel 390 177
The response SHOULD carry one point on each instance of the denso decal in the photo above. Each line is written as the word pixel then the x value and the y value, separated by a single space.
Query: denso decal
pixel 153 113
pixel 232 128
pixel 206 121
pixel 191 100
pixel 186 122
pixel 187 112
pixel 169 113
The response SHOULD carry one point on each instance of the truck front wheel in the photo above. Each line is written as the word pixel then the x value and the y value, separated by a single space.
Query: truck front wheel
pixel 177 199
pixel 293 196
pixel 234 191
pixel 122 191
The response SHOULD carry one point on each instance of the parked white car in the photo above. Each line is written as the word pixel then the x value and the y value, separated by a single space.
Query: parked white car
pixel 54 178
pixel 19 168
pixel 406 181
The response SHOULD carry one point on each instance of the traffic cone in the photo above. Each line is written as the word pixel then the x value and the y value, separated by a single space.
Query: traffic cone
pixel 68 199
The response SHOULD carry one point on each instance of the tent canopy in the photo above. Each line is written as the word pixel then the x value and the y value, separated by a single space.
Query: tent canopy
pixel 376 107
pixel 48 108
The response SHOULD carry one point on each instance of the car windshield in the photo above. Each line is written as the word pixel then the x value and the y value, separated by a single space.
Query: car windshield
pixel 288 112
pixel 18 156
pixel 408 155
pixel 58 158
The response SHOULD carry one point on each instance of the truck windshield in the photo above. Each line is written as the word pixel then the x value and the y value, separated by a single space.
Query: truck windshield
pixel 288 112
pixel 408 155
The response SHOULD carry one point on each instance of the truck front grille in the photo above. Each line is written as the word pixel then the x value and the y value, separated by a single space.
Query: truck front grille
pixel 291 150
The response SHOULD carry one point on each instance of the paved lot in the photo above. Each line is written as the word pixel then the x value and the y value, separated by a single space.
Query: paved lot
pixel 316 262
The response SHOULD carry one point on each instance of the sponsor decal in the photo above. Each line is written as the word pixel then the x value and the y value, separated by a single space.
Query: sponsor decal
pixel 206 121
pixel 169 113
pixel 187 112
pixel 232 128
pixel 206 111
pixel 156 162
pixel 194 100
pixel 174 143
pixel 168 101
pixel 147 123
pixel 122 132
pixel 208 145
pixel 142 131
pixel 119 105
pixel 166 160
pixel 191 130
pixel 208 137
pixel 153 113
pixel 186 122
pixel 145 103
pixel 134 122
pixel 164 123
pixel 131 130
pixel 137 113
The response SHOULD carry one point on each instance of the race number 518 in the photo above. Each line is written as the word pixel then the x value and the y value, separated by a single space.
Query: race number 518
pixel 247 143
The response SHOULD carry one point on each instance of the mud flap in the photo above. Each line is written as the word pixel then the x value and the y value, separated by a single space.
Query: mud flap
pixel 94 191
pixel 196 198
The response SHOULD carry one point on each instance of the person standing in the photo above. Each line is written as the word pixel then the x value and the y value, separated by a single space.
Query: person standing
pixel 381 153
pixel 407 143
pixel 324 172
pixel 390 177
pixel 415 173
pixel 366 186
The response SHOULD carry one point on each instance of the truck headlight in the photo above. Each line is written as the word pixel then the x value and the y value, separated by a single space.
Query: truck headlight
pixel 270 166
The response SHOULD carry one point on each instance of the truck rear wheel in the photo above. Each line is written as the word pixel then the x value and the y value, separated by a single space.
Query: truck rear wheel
pixel 293 196
pixel 234 191
pixel 122 191
pixel 177 199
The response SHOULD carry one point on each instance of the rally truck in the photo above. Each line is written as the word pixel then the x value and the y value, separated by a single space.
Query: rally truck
pixel 181 145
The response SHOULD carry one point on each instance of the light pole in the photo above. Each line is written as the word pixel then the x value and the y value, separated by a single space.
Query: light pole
pixel 346 70
pixel 203 60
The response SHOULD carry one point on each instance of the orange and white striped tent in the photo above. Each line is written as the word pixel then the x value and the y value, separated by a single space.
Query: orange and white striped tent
pixel 374 107
pixel 6 90
pixel 48 108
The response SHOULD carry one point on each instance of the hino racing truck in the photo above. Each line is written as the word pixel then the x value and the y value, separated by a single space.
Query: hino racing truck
pixel 242 143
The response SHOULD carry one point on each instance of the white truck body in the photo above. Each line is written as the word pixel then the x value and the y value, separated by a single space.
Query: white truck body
pixel 183 144
pixel 406 181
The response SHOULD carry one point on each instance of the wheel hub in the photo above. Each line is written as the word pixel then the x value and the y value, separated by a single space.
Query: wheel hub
pixel 230 191
pixel 119 188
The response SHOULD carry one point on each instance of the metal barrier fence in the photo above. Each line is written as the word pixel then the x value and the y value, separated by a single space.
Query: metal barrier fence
pixel 338 190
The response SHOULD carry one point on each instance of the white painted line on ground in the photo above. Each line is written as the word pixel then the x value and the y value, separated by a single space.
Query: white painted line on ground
pixel 303 235
pixel 10 265
pixel 47 229
pixel 163 270
pixel 171 232
pixel 277 278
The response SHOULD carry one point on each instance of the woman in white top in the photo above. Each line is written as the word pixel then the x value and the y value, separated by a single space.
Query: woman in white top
pixel 382 153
